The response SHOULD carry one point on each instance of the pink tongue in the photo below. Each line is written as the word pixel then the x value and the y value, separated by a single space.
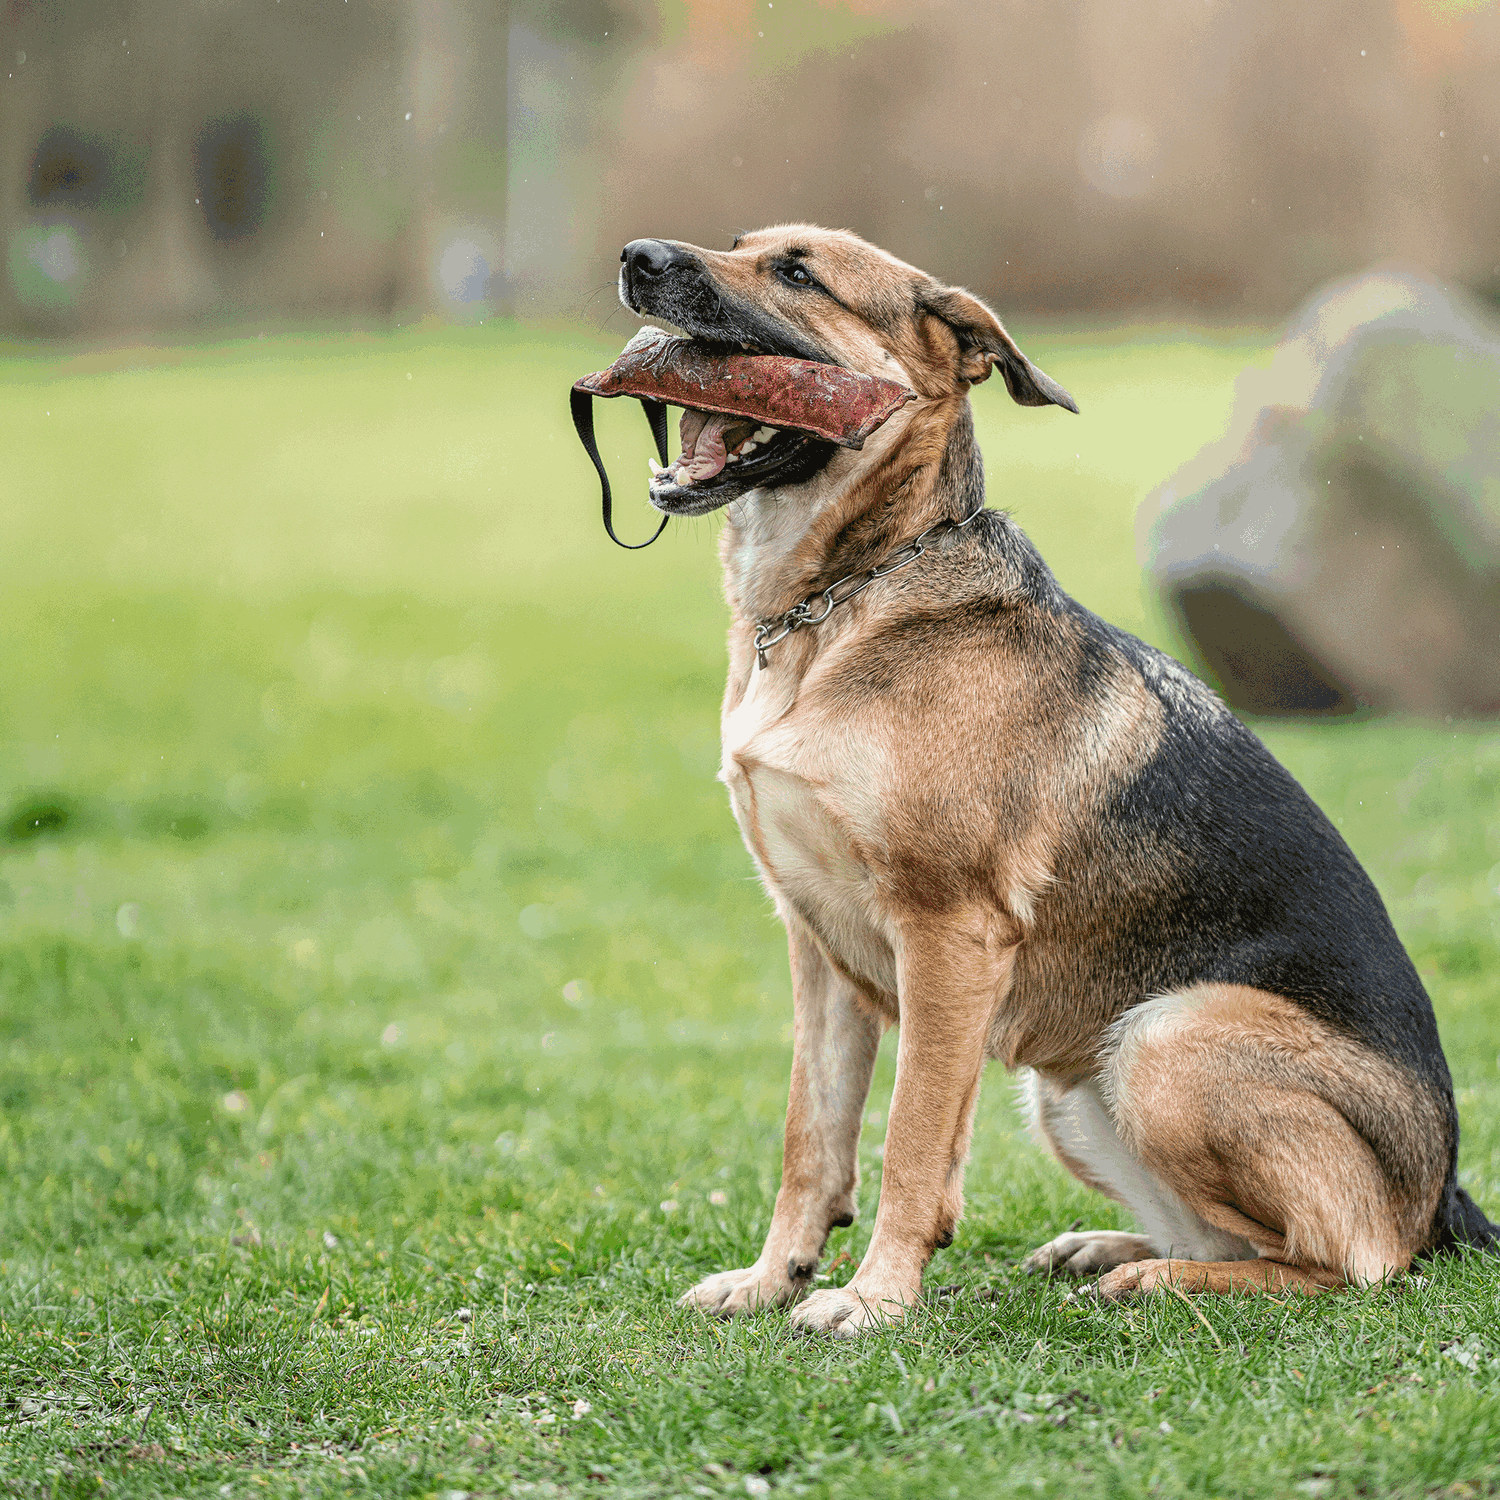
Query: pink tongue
pixel 702 436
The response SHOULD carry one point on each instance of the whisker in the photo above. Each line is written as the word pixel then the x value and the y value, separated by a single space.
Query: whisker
pixel 581 306
pixel 605 324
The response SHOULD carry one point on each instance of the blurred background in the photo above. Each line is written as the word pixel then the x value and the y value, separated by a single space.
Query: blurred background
pixel 163 164
pixel 362 868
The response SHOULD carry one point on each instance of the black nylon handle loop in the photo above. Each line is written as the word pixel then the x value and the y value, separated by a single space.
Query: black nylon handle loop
pixel 582 404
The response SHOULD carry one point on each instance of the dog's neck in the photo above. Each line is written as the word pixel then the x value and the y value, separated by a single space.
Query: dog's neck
pixel 780 545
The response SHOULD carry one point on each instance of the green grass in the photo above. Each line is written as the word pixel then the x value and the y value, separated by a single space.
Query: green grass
pixel 377 944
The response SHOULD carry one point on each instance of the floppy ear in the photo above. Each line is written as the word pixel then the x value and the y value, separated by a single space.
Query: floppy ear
pixel 983 344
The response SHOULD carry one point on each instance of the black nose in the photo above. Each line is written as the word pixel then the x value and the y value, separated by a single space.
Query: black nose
pixel 652 258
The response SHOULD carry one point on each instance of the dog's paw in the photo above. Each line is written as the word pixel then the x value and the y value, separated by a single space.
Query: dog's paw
pixel 731 1293
pixel 1088 1253
pixel 846 1312
pixel 1135 1279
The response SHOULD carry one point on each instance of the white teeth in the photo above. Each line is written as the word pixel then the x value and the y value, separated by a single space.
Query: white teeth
pixel 764 434
pixel 749 447
pixel 732 458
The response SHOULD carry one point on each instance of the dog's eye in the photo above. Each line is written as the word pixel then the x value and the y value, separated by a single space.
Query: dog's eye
pixel 796 275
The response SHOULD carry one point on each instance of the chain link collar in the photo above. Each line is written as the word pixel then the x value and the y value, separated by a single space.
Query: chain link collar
pixel 772 631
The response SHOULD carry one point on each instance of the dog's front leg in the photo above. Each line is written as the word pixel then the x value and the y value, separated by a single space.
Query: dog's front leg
pixel 952 975
pixel 835 1039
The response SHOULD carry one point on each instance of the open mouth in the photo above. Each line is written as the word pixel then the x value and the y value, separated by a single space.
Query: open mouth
pixel 710 443
pixel 724 456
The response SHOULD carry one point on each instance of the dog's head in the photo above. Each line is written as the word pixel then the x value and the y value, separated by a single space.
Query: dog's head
pixel 823 295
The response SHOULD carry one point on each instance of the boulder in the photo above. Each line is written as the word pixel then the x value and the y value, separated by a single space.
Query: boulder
pixel 1340 546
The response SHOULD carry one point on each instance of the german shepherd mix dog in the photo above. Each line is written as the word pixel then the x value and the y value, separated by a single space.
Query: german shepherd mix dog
pixel 988 816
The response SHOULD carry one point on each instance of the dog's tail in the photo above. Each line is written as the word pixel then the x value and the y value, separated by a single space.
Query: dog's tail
pixel 1460 1222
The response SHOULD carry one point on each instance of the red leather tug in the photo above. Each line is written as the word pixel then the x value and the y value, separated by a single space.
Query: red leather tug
pixel 825 401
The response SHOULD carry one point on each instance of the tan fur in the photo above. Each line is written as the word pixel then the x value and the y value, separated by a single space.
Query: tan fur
pixel 919 797
pixel 1226 1277
pixel 874 331
pixel 836 1036
pixel 1242 1103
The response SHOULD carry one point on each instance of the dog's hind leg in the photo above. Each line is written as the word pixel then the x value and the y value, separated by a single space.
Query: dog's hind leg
pixel 1323 1156
pixel 837 1033
pixel 1226 1277
pixel 1075 1124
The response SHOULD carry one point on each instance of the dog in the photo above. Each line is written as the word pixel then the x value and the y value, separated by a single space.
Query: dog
pixel 995 821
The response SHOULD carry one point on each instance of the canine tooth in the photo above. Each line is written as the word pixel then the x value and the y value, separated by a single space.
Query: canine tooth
pixel 765 434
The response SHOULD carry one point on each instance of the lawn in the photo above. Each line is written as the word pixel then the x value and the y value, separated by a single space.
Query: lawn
pixel 390 1028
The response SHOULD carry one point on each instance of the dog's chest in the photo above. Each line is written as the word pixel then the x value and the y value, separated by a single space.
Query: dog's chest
pixel 807 797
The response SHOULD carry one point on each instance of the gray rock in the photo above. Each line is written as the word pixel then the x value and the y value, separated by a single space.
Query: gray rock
pixel 1341 545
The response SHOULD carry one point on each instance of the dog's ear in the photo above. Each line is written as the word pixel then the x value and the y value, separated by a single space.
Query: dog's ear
pixel 983 344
